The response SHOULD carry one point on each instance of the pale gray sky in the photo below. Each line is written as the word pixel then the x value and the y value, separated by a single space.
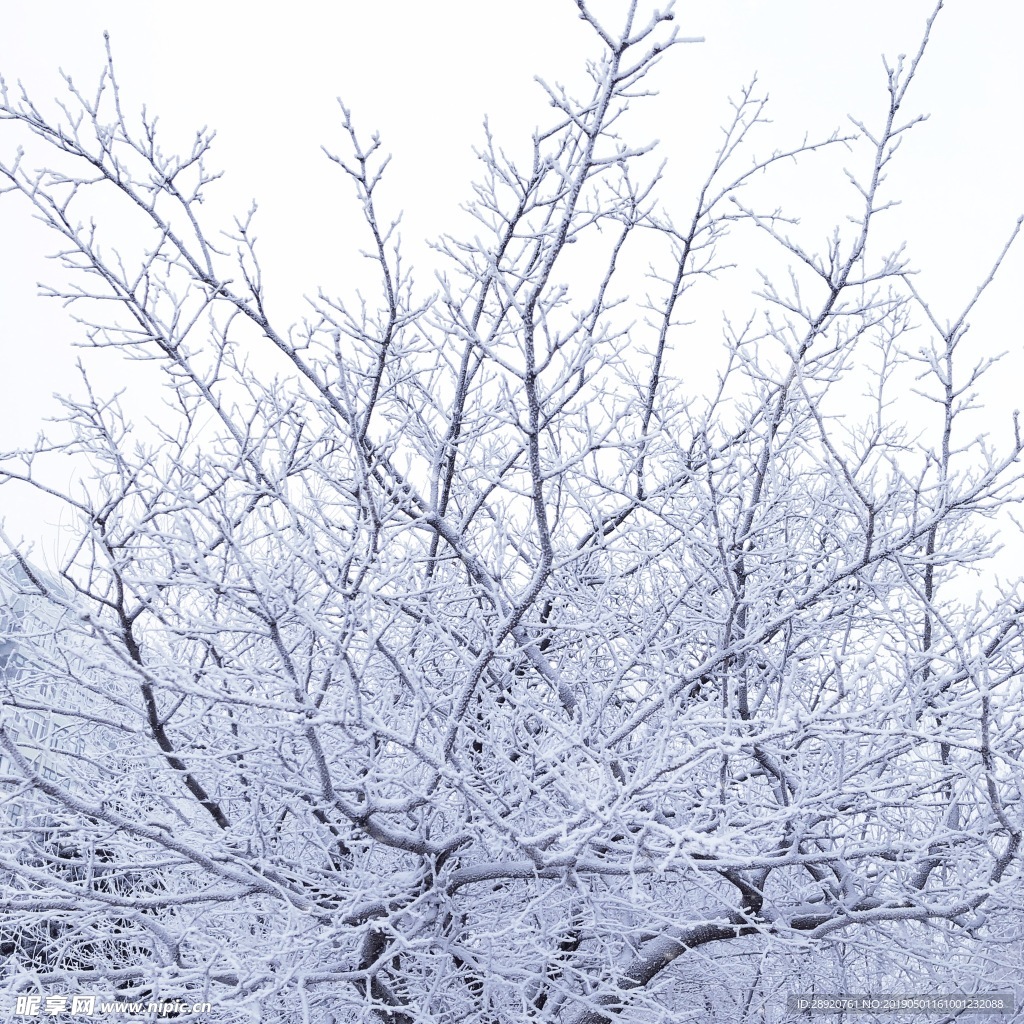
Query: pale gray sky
pixel 425 74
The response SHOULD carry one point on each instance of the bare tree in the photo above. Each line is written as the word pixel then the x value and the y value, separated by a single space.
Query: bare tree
pixel 446 660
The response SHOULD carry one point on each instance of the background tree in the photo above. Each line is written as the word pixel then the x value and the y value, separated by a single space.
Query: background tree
pixel 456 660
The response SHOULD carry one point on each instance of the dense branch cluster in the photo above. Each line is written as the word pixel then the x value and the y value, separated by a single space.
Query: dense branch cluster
pixel 444 659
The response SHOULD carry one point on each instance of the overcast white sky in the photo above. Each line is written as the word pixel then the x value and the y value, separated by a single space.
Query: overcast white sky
pixel 425 74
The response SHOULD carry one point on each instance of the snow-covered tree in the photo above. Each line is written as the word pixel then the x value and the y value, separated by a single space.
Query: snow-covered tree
pixel 448 657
